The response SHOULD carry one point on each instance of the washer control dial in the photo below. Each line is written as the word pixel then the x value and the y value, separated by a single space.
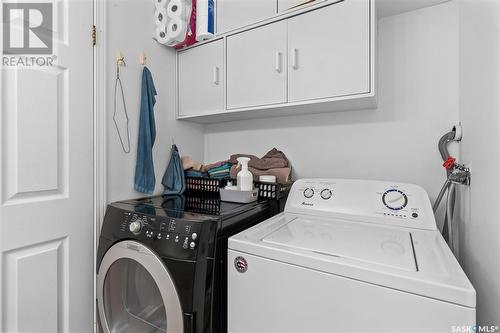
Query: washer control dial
pixel 308 193
pixel 326 194
pixel 395 199
pixel 135 227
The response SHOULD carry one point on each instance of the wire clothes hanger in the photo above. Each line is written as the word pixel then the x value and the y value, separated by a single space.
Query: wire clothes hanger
pixel 126 147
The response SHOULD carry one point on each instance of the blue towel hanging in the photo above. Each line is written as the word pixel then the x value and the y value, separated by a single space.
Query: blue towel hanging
pixel 173 179
pixel 144 169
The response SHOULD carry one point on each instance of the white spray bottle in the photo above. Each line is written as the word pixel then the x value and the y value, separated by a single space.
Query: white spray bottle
pixel 244 177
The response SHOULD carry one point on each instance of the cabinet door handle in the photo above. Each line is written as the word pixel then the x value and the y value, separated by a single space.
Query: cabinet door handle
pixel 279 61
pixel 295 58
pixel 216 75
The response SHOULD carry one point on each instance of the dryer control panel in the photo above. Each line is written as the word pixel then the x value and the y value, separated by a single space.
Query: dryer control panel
pixel 380 202
pixel 170 237
pixel 181 232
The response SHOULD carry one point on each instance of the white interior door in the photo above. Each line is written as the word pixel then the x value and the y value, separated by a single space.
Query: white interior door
pixel 46 161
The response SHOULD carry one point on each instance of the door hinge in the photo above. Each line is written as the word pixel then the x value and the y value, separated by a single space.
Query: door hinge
pixel 94 35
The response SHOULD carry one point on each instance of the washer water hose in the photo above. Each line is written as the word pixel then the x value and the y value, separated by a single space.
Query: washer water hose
pixel 455 174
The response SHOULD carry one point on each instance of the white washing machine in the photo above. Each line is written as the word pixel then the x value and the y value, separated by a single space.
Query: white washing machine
pixel 348 256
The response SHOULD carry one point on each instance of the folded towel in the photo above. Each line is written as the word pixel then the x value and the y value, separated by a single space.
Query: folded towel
pixel 221 175
pixel 219 171
pixel 189 164
pixel 207 167
pixel 225 166
pixel 195 174
pixel 272 160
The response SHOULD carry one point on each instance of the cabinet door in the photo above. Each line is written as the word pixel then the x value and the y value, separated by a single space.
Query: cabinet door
pixel 201 79
pixel 256 66
pixel 232 14
pixel 329 52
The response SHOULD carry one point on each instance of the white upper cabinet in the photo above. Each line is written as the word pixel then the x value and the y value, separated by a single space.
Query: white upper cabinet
pixel 319 57
pixel 329 52
pixel 201 79
pixel 232 14
pixel 257 66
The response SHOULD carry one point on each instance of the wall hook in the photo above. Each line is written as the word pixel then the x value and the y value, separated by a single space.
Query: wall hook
pixel 142 58
pixel 120 59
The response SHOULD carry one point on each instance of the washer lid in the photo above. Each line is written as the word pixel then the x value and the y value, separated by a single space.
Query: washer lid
pixel 416 261
pixel 365 243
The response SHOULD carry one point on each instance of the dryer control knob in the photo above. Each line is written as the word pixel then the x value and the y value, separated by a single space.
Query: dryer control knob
pixel 135 227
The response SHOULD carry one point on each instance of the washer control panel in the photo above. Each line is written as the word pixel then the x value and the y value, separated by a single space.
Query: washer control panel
pixel 374 201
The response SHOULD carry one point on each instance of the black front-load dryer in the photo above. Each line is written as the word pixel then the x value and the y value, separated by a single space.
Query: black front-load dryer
pixel 161 262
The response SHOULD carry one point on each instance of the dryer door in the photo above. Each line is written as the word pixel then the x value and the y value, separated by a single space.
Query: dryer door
pixel 136 293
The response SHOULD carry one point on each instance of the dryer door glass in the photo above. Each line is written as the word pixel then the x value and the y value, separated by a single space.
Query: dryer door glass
pixel 132 299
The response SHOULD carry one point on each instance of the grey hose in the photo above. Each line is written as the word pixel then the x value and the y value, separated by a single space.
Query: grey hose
pixel 440 195
pixel 450 207
pixel 443 144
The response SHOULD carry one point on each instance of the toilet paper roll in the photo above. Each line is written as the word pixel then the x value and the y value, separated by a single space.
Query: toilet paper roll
pixel 176 30
pixel 161 35
pixel 161 3
pixel 204 20
pixel 161 16
pixel 178 9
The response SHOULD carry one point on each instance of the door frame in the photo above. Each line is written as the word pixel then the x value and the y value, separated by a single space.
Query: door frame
pixel 100 142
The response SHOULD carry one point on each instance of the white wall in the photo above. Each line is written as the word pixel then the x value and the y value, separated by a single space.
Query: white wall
pixel 480 114
pixel 130 27
pixel 418 102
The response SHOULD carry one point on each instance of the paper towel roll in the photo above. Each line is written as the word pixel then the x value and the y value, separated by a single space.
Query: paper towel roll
pixel 178 9
pixel 204 20
pixel 161 16
pixel 176 30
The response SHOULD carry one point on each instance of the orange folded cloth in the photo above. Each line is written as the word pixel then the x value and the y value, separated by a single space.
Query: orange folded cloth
pixel 189 164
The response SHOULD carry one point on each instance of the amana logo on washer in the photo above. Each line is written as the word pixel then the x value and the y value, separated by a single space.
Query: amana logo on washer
pixel 241 264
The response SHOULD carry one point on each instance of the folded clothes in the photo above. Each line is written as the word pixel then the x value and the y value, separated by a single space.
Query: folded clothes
pixel 195 174
pixel 272 160
pixel 219 171
pixel 225 166
pixel 283 175
pixel 221 175
pixel 207 167
pixel 189 164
